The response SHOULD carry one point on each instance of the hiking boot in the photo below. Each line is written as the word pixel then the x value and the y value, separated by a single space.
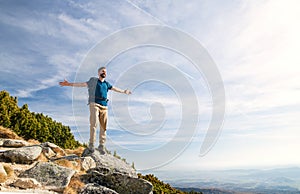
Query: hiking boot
pixel 91 148
pixel 101 149
pixel 88 151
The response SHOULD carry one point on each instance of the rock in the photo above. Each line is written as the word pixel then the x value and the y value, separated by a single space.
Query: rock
pixel 27 183
pixel 104 172
pixel 50 175
pixel 59 151
pixel 72 157
pixel 29 191
pixel 111 162
pixel 115 174
pixel 119 182
pixel 87 163
pixel 48 152
pixel 96 189
pixel 23 155
pixel 14 143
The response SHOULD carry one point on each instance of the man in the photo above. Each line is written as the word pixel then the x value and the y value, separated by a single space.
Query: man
pixel 97 88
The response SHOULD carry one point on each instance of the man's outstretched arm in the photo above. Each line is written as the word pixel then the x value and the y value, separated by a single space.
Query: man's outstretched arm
pixel 121 91
pixel 78 84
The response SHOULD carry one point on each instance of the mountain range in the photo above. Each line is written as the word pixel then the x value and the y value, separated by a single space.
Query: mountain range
pixel 276 180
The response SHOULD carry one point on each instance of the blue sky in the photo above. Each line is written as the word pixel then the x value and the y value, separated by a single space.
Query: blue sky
pixel 254 45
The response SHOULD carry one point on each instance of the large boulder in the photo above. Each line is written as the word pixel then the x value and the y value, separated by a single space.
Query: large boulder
pixel 23 155
pixel 87 163
pixel 115 174
pixel 96 189
pixel 119 182
pixel 50 175
pixel 111 162
pixel 14 143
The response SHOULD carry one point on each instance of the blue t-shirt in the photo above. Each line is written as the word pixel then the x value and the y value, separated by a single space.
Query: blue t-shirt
pixel 98 91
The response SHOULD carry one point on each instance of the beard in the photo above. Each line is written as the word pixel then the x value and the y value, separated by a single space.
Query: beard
pixel 103 75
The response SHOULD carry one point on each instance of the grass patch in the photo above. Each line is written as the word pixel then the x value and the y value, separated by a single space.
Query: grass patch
pixel 8 134
pixel 75 165
pixel 9 171
pixel 74 186
pixel 42 158
pixel 78 151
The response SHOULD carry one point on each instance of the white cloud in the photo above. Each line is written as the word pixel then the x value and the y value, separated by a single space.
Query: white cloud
pixel 266 67
pixel 254 46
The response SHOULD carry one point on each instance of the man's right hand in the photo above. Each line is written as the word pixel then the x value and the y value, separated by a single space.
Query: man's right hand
pixel 64 83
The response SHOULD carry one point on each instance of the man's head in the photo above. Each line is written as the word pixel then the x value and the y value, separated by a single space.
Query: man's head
pixel 102 72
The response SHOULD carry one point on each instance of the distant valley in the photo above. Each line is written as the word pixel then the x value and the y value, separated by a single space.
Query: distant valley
pixel 278 180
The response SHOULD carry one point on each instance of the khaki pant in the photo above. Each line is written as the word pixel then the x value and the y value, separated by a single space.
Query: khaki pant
pixel 97 111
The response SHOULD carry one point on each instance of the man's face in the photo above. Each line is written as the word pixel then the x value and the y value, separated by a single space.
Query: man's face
pixel 102 73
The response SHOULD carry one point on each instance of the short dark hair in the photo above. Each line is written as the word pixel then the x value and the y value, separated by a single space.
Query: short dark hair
pixel 101 68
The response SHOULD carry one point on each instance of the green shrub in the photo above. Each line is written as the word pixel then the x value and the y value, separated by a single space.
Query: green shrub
pixel 159 187
pixel 30 125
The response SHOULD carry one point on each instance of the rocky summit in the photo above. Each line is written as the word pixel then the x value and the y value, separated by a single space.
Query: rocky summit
pixel 46 168
pixel 115 174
